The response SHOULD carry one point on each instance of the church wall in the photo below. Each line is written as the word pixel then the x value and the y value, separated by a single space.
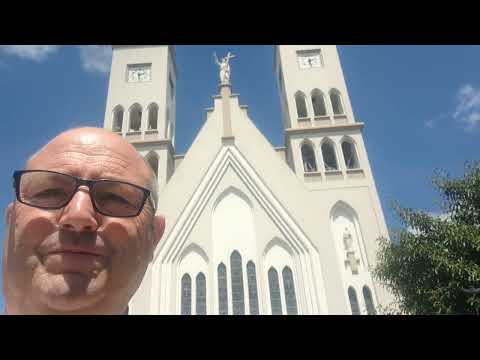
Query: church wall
pixel 312 211
pixel 208 144
pixel 241 194
pixel 252 245
pixel 293 195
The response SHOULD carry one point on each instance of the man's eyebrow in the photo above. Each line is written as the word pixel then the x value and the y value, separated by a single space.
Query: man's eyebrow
pixel 106 175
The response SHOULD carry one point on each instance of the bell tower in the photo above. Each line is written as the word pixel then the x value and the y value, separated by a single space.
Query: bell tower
pixel 323 142
pixel 141 103
pixel 324 147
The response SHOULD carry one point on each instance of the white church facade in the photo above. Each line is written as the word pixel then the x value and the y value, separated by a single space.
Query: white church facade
pixel 253 229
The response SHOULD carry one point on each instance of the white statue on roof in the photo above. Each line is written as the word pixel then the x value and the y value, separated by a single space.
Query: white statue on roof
pixel 224 68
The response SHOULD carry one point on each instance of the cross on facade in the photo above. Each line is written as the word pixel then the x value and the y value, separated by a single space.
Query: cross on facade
pixel 352 261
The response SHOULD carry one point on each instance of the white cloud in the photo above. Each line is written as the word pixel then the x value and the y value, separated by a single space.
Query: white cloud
pixel 433 214
pixel 30 52
pixel 467 110
pixel 96 58
pixel 434 121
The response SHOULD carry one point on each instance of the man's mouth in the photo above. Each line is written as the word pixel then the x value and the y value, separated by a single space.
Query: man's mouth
pixel 78 250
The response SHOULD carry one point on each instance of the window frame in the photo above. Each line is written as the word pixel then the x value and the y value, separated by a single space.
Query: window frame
pixel 310 146
pixel 331 143
pixel 338 94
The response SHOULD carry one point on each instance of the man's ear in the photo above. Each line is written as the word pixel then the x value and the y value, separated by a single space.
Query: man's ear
pixel 158 229
pixel 9 213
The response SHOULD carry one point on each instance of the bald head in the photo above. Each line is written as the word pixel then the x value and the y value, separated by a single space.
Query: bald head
pixel 97 145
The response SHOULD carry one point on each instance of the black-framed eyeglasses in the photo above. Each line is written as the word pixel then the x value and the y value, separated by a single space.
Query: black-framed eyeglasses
pixel 53 190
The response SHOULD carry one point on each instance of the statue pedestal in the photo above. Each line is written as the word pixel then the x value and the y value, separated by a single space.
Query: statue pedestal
pixel 222 86
pixel 225 93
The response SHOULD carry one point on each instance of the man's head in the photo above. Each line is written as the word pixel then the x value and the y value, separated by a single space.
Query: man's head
pixel 77 259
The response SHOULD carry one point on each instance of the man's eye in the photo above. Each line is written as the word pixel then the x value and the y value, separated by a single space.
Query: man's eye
pixel 115 198
pixel 50 193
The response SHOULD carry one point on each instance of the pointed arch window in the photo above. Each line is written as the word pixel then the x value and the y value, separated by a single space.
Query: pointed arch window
pixel 222 290
pixel 167 124
pixel 186 297
pixel 201 299
pixel 329 157
pixel 290 298
pixel 367 296
pixel 171 87
pixel 301 105
pixel 135 118
pixel 237 284
pixel 350 155
pixel 352 296
pixel 336 101
pixel 252 288
pixel 153 117
pixel 152 160
pixel 274 286
pixel 308 157
pixel 117 119
pixel 318 103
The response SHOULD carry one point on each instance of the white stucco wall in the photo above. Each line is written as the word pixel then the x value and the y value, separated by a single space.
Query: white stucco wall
pixel 240 194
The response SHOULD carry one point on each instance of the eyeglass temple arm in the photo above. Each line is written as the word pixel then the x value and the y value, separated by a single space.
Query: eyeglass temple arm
pixel 150 197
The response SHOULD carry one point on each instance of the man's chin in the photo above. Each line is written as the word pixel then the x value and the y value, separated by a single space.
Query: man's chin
pixel 71 292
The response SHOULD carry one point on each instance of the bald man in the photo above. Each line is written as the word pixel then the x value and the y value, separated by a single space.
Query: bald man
pixel 83 228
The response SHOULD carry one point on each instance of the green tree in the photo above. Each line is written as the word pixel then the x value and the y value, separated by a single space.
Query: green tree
pixel 432 265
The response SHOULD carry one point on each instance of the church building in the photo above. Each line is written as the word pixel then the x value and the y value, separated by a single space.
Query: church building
pixel 254 229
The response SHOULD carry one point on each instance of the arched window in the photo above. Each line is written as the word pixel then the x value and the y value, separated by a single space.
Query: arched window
pixel 201 300
pixel 153 162
pixel 352 296
pixel 222 290
pixel 350 155
pixel 252 288
pixel 318 103
pixel 153 117
pixel 237 284
pixel 367 296
pixel 186 302
pixel 135 118
pixel 117 119
pixel 167 124
pixel 275 300
pixel 336 101
pixel 301 105
pixel 308 157
pixel 289 286
pixel 329 157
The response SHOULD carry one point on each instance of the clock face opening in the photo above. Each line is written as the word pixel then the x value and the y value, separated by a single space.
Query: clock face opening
pixel 309 59
pixel 138 73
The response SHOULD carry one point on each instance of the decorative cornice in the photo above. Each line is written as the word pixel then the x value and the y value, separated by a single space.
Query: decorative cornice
pixel 161 142
pixel 326 128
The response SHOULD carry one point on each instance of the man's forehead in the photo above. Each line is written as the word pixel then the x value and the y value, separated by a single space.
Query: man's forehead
pixel 89 151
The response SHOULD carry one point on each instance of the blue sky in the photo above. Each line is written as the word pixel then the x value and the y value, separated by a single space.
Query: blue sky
pixel 420 105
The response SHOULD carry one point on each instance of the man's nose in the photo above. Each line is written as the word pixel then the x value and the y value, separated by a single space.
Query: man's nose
pixel 79 214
